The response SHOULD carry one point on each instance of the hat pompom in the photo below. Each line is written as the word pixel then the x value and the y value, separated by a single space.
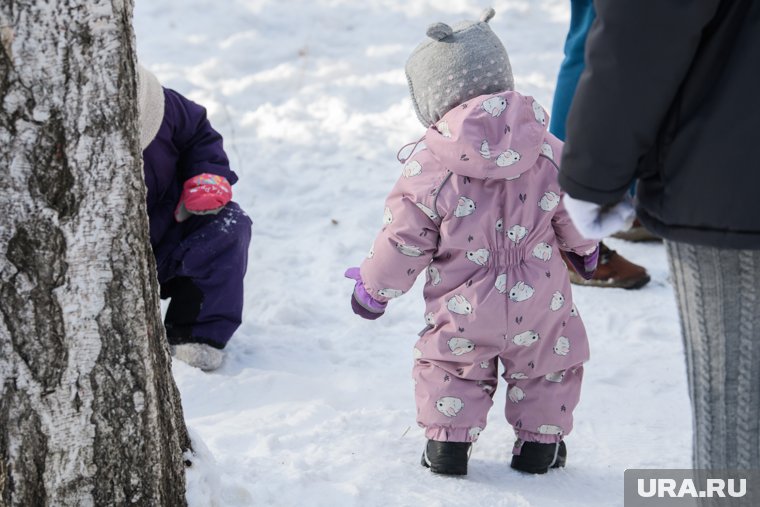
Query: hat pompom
pixel 487 15
pixel 439 31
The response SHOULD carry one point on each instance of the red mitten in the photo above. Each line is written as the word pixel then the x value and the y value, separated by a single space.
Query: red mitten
pixel 205 194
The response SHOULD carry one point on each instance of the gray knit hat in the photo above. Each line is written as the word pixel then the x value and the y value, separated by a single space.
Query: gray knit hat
pixel 150 105
pixel 455 65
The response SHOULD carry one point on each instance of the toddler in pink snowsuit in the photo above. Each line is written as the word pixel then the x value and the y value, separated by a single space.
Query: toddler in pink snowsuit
pixel 478 209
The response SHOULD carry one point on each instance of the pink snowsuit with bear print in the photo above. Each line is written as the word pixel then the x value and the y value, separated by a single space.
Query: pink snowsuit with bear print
pixel 479 210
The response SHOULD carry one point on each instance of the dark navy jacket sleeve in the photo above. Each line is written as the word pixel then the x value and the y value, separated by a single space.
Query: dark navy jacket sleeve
pixel 200 146
pixel 637 55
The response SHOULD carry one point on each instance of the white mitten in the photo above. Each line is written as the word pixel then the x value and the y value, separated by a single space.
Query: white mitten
pixel 198 355
pixel 594 221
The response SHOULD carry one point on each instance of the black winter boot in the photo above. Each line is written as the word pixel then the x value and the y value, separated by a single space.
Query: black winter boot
pixel 537 458
pixel 447 458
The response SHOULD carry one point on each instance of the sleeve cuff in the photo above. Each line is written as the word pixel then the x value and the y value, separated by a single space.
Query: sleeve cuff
pixel 581 192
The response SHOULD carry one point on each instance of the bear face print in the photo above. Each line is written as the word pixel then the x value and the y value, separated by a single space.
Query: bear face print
pixel 495 106
pixel 387 216
pixel 518 376
pixel 542 251
pixel 416 353
pixel 409 250
pixel 526 338
pixel 500 225
pixel 459 305
pixel 557 376
pixel 465 207
pixel 432 215
pixel 484 365
pixel 508 158
pixel 390 293
pixel 574 311
pixel 550 429
pixel 558 301
pixel 539 113
pixel 516 233
pixel 412 168
pixel 485 150
pixel 549 201
pixel 516 394
pixel 547 151
pixel 501 283
pixel 460 346
pixel 430 318
pixel 479 257
pixel 562 347
pixel 443 128
pixel 520 292
pixel 474 433
pixel 449 406
pixel 435 275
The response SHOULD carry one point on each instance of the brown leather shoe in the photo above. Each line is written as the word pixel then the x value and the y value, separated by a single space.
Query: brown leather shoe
pixel 613 270
pixel 637 233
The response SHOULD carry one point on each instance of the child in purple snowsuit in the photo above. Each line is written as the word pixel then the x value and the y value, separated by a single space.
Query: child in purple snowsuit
pixel 479 210
pixel 199 236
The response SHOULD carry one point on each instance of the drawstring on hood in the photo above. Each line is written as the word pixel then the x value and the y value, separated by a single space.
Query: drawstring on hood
pixel 414 145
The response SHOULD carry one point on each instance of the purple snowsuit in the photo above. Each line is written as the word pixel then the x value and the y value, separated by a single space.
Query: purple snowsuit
pixel 479 210
pixel 202 261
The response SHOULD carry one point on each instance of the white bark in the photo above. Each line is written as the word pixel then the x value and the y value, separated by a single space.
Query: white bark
pixel 89 413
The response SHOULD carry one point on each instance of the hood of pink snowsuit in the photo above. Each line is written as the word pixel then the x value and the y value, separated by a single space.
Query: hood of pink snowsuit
pixel 491 136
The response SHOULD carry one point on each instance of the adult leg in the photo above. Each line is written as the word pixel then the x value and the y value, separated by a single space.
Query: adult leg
pixel 718 295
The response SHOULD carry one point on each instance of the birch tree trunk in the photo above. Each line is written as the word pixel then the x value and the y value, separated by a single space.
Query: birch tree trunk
pixel 89 412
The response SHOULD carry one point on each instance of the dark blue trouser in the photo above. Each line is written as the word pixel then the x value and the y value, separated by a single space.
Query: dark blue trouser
pixel 201 266
pixel 582 14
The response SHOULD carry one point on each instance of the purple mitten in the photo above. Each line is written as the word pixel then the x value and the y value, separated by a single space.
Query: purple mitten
pixel 584 265
pixel 363 305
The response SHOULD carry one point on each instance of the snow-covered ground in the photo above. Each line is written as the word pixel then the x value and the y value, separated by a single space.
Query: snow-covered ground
pixel 314 406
